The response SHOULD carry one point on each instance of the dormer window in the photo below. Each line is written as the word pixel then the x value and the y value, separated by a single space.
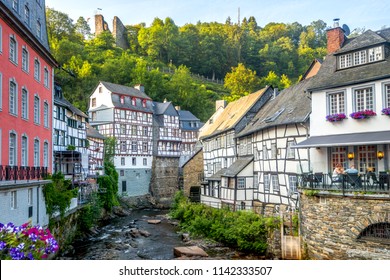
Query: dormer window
pixel 133 101
pixel 144 103
pixel 360 57
pixel 122 99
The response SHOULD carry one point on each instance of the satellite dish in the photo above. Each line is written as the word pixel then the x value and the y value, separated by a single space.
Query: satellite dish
pixel 346 30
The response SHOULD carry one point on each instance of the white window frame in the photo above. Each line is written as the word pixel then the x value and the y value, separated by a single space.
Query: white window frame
pixel 134 161
pixel 363 99
pixel 13 49
pixel 45 154
pixel 36 152
pixel 13 149
pixel 39 29
pixel 123 146
pixel 267 183
pixel 30 196
pixel 37 70
pixel 386 95
pixel 24 151
pixel 25 59
pixel 275 182
pixel 37 109
pixel 46 114
pixel 292 184
pixel 336 102
pixel 15 5
pixel 134 146
pixel 46 77
pixel 290 150
pixel 27 17
pixel 14 200
pixel 123 161
pixel 13 98
pixel 1 39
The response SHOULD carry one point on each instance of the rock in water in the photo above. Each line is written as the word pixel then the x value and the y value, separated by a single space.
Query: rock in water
pixel 192 251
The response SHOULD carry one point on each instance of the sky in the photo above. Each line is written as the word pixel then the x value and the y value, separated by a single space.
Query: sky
pixel 372 14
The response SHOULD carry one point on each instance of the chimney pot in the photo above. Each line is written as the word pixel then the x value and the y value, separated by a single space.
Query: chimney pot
pixel 140 87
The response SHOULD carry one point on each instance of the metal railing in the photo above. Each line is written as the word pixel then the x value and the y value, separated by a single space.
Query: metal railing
pixel 17 173
pixel 346 182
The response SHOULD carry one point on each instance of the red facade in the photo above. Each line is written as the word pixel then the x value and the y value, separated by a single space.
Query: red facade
pixel 26 80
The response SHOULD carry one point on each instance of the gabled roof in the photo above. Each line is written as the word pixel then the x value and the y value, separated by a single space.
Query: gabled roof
pixel 232 114
pixel 291 105
pixel 124 90
pixel 159 108
pixel 187 116
pixel 233 170
pixel 329 77
pixel 65 103
pixel 93 133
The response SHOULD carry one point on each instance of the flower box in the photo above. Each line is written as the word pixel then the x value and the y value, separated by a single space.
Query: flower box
pixel 386 111
pixel 335 117
pixel 365 114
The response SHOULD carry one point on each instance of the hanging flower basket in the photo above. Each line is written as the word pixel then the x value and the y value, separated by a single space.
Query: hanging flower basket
pixel 335 117
pixel 386 111
pixel 363 114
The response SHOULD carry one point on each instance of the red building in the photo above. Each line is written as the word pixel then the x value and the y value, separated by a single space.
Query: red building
pixel 26 101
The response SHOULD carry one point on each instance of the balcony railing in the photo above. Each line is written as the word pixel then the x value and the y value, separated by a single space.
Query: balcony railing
pixel 17 173
pixel 346 183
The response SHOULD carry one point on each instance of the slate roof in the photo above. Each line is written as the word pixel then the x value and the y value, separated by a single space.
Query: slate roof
pixel 93 133
pixel 187 116
pixel 125 90
pixel 233 170
pixel 291 105
pixel 329 77
pixel 232 114
pixel 65 103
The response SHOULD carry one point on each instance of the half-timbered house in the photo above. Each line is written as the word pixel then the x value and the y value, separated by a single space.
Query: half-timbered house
pixel 95 151
pixel 220 147
pixel 70 149
pixel 189 126
pixel 126 114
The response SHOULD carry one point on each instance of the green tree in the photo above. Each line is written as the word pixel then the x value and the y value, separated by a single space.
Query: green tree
pixel 241 81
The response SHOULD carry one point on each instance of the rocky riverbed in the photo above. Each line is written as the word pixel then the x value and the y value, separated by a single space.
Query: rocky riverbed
pixel 147 234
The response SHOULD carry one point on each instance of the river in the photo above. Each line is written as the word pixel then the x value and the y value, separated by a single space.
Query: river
pixel 146 234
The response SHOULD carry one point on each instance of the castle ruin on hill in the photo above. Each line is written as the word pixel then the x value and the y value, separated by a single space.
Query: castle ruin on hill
pixel 119 31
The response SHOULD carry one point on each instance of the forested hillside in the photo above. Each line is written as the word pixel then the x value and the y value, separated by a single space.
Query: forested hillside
pixel 245 55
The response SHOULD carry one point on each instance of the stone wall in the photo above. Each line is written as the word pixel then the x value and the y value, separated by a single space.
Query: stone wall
pixel 192 173
pixel 100 25
pixel 164 181
pixel 120 34
pixel 331 224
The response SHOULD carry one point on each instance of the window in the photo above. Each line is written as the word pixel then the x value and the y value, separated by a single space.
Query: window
pixel 37 70
pixel 93 102
pixel 46 77
pixel 364 99
pixel 122 99
pixel 12 149
pixel 45 154
pixel 336 103
pixel 145 161
pixel 386 95
pixel 134 130
pixel 27 15
pixel 36 152
pixel 361 57
pixel 134 161
pixel 265 152
pixel 123 146
pixel 15 5
pixel 290 150
pixel 273 151
pixel 100 90
pixel 367 158
pixel 292 184
pixel 275 183
pixel 241 183
pixel 122 113
pixel 123 161
pixel 1 39
pixel 39 29
pixel 145 147
pixel 13 50
pixel 13 98
pixel 24 152
pixel 133 101
pixel 134 147
pixel 36 110
pixel 46 114
pixel 121 172
pixel 144 103
pixel 338 155
pixel 266 183
pixel 13 200
pixel 123 128
pixel 145 130
pixel 30 196
pixel 25 59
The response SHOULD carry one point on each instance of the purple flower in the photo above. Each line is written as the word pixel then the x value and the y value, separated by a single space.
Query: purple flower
pixel 2 245
pixel 16 254
pixel 33 237
pixel 386 111
pixel 363 114
pixel 335 117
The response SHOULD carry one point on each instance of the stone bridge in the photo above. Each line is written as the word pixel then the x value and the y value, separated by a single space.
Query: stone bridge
pixel 352 226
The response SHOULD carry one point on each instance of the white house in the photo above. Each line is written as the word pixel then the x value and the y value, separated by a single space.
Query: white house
pixel 350 122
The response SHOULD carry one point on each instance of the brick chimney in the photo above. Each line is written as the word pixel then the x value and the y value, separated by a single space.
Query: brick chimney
pixel 335 37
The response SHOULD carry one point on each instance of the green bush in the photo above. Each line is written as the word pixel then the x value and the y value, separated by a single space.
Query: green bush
pixel 243 230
